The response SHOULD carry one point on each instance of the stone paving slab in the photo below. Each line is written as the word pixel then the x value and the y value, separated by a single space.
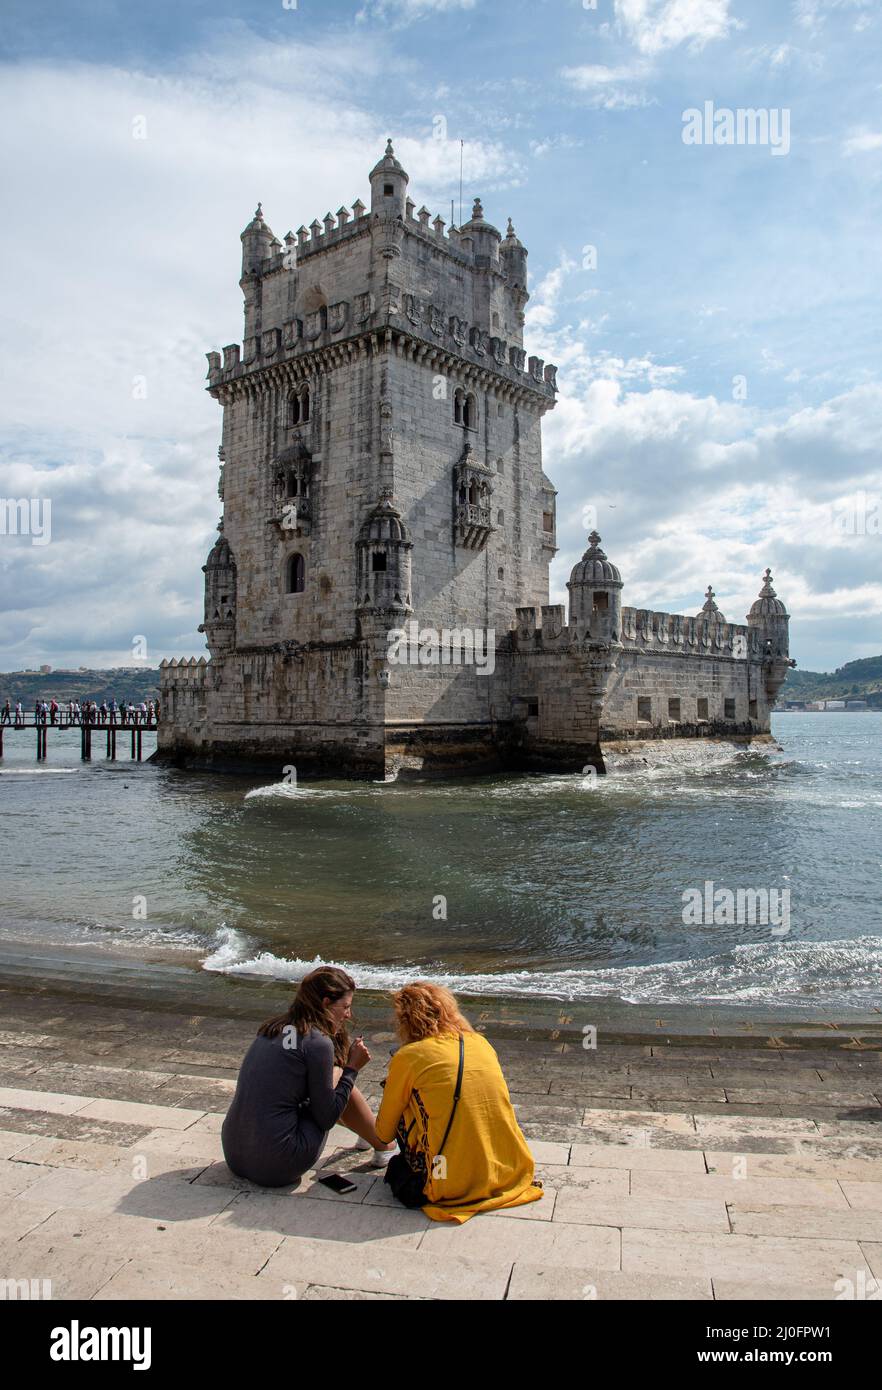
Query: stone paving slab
pixel 748 1290
pixel 529 1281
pixel 317 1220
pixel 504 1240
pixel 615 1181
pixel 132 1112
pixel 762 1190
pixel 865 1196
pixel 794 1165
pixel 805 1222
pixel 576 1204
pixel 156 1278
pixel 161 1198
pixel 381 1269
pixel 737 1256
pixel 51 1102
pixel 39 1123
pixel 71 1267
pixel 637 1159
pixel 186 1237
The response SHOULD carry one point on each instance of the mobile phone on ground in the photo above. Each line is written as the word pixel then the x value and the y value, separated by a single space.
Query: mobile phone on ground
pixel 337 1183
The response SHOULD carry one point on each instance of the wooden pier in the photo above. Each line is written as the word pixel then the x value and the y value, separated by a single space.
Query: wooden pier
pixel 85 731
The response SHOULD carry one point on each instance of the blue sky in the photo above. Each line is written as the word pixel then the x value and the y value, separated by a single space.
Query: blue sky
pixel 720 398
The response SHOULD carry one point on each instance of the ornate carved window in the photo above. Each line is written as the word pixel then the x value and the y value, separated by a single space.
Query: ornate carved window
pixel 473 493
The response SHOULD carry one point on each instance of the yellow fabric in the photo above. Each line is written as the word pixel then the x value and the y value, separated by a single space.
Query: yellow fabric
pixel 488 1164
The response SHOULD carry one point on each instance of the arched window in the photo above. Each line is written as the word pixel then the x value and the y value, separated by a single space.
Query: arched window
pixel 295 575
pixel 292 484
pixel 304 404
pixel 457 406
pixel 294 410
pixel 470 412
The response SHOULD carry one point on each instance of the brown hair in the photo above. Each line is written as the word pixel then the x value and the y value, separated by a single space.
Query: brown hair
pixel 424 1010
pixel 308 1009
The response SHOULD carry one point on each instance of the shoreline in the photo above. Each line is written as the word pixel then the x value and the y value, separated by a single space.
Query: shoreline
pixel 161 986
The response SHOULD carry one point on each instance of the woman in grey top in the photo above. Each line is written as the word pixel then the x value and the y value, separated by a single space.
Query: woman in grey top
pixel 296 1082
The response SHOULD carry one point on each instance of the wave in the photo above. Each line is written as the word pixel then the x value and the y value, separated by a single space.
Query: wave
pixel 835 972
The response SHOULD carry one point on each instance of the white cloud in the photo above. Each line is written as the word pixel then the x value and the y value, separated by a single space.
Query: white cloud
pixel 690 489
pixel 862 142
pixel 654 26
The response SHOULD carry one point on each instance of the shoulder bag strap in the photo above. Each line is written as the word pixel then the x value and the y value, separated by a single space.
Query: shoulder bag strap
pixel 456 1093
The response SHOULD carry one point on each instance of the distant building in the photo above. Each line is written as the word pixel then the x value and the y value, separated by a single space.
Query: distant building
pixel 856 704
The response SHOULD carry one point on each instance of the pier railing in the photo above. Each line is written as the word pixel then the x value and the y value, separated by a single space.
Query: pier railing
pixel 109 728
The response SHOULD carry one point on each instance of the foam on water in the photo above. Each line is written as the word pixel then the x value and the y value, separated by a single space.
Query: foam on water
pixel 760 973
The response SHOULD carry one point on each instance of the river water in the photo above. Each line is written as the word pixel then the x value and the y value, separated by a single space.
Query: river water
pixel 562 887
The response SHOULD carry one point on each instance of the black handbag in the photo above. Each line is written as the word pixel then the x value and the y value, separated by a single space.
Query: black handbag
pixel 406 1172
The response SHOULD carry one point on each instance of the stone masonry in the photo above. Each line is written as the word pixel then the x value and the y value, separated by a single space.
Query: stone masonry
pixel 381 475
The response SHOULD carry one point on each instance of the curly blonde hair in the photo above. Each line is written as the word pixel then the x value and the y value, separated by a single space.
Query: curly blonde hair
pixel 424 1010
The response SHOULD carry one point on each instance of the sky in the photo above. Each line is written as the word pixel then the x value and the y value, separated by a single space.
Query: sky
pixel 713 308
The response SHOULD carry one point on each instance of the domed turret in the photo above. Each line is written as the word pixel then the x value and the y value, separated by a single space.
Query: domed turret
pixel 769 619
pixel 484 237
pixel 384 547
pixel 595 587
pixel 220 596
pixel 388 185
pixel 768 607
pixel 257 243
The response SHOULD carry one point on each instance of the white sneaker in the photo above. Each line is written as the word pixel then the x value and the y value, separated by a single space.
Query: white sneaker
pixel 362 1144
pixel 381 1157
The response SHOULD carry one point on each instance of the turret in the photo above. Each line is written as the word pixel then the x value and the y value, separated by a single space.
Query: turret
pixel 513 262
pixel 483 236
pixel 513 255
pixel 383 559
pixel 770 620
pixel 257 243
pixel 595 587
pixel 220 597
pixel 388 186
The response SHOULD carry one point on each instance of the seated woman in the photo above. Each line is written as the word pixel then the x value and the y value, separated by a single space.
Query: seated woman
pixel 486 1163
pixel 296 1082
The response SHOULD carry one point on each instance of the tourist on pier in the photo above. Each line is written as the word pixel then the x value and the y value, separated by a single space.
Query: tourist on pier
pixel 113 711
pixel 458 1157
pixel 6 717
pixel 103 711
pixel 296 1082
pixel 151 712
pixel 53 711
pixel 19 716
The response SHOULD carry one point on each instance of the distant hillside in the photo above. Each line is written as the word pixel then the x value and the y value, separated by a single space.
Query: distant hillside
pixel 860 679
pixel 123 683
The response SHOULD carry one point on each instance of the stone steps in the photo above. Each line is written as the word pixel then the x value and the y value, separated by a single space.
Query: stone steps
pixel 114 1186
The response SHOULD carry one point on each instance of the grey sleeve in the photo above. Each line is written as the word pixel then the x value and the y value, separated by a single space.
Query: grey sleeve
pixel 326 1102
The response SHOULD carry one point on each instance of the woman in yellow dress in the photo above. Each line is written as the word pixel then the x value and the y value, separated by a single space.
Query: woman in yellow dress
pixel 486 1163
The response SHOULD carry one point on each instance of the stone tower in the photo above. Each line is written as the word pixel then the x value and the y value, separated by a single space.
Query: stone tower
pixel 381 470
